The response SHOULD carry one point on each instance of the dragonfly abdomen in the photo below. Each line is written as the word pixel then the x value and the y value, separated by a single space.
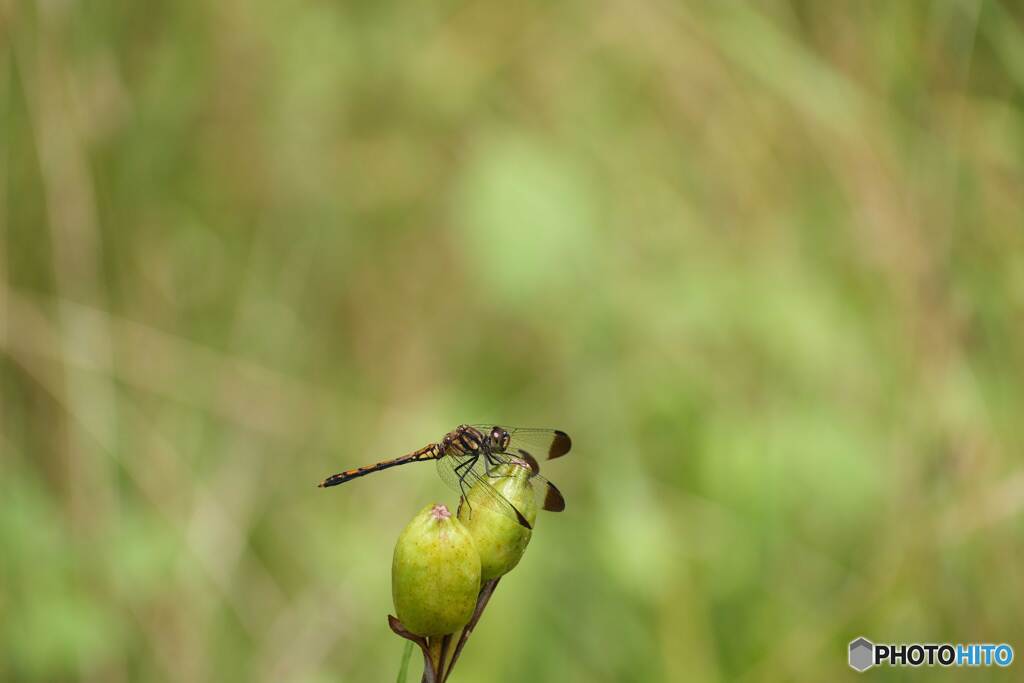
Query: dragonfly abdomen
pixel 429 452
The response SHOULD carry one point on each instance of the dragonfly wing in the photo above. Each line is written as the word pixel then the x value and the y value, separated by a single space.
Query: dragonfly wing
pixel 543 444
pixel 463 473
pixel 550 497
pixel 547 495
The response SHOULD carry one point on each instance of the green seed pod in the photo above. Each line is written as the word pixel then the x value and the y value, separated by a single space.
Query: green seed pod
pixel 500 539
pixel 435 573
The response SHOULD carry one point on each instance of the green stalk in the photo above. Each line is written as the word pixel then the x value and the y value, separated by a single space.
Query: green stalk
pixel 403 670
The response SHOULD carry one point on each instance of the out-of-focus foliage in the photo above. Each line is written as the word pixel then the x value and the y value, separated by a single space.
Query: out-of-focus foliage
pixel 763 261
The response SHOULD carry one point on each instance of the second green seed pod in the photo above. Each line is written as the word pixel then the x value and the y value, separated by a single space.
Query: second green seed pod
pixel 500 539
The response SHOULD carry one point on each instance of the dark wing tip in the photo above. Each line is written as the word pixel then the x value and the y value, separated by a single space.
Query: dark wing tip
pixel 531 462
pixel 560 445
pixel 519 518
pixel 553 500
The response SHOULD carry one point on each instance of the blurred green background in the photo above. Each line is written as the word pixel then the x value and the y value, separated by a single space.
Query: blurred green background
pixel 765 264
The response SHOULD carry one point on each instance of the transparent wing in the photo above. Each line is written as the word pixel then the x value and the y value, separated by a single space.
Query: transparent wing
pixel 463 473
pixel 543 444
pixel 547 494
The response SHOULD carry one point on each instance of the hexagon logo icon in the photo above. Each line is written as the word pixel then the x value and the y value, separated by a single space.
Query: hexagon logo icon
pixel 862 654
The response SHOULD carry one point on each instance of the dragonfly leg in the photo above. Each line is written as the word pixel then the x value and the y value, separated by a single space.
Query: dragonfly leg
pixel 492 462
pixel 487 465
pixel 465 465
pixel 468 462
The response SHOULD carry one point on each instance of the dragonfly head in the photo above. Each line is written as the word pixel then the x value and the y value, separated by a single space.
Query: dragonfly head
pixel 498 439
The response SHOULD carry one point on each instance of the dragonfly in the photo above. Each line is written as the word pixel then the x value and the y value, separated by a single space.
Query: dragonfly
pixel 475 455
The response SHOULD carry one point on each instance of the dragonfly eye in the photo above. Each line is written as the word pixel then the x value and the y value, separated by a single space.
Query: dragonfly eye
pixel 500 438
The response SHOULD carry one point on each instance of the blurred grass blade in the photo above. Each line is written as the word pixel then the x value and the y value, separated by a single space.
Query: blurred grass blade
pixel 403 670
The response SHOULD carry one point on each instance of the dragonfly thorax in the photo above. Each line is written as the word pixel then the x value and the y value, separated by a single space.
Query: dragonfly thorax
pixel 469 440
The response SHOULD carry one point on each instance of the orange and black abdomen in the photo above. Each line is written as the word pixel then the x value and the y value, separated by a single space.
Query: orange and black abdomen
pixel 431 452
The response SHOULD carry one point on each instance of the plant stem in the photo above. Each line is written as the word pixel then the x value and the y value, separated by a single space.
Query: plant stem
pixel 429 672
pixel 435 646
pixel 435 650
pixel 442 668
pixel 481 603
